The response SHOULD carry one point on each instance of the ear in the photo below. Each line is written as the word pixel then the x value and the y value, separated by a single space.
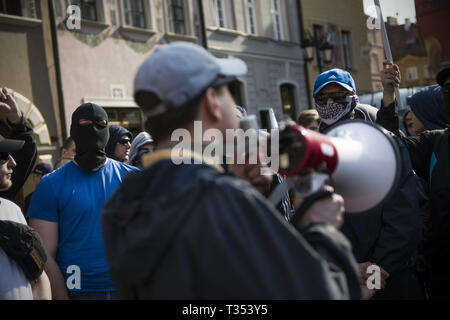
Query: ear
pixel 211 105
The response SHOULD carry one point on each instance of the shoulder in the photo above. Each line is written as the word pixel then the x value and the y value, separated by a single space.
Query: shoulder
pixel 10 211
pixel 367 109
pixel 111 163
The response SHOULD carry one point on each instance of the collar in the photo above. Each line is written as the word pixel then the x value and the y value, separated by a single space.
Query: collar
pixel 183 155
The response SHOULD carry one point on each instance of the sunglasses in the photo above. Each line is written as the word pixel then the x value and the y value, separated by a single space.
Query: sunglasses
pixel 334 95
pixel 4 156
pixel 124 142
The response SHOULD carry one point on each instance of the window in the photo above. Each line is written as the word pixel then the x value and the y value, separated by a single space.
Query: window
pixel 251 16
pixel 176 16
pixel 375 64
pixel 411 74
pixel 318 39
pixel 220 13
pixel 12 7
pixel 277 24
pixel 233 17
pixel 288 100
pixel 26 8
pixel 89 10
pixel 346 50
pixel 134 13
pixel 129 118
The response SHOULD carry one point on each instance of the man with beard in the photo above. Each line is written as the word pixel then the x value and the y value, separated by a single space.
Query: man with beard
pixel 66 207
pixel 429 153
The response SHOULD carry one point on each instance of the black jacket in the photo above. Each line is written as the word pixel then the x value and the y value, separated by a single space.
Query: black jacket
pixel 430 158
pixel 25 158
pixel 388 236
pixel 190 232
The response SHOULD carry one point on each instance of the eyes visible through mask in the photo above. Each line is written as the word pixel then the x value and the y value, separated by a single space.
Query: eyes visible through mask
pixel 339 97
pixel 85 122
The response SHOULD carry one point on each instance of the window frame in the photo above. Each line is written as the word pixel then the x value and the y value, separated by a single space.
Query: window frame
pixel 252 6
pixel 147 11
pixel 99 13
pixel 277 13
pixel 347 65
pixel 224 13
pixel 171 27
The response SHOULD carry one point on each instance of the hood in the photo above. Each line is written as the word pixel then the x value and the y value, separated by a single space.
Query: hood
pixel 428 106
pixel 140 140
pixel 115 133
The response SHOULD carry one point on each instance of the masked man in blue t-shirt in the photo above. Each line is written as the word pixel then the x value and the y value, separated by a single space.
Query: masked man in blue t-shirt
pixel 66 208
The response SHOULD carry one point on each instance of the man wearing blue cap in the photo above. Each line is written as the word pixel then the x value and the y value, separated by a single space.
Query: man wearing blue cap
pixel 189 231
pixel 387 236
pixel 335 99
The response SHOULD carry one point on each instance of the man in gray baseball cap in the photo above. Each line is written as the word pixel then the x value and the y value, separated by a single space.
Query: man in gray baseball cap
pixel 190 231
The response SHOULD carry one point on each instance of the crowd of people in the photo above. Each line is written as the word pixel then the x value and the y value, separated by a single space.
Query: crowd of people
pixel 115 217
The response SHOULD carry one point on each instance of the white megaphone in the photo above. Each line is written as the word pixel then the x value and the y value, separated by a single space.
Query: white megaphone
pixel 360 158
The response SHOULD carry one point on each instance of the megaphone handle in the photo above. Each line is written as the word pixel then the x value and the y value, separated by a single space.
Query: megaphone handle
pixel 308 202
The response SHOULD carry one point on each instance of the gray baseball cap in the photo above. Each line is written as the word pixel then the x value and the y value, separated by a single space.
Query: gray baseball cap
pixel 180 71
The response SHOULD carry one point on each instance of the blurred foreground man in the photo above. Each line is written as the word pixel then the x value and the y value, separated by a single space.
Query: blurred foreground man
pixel 188 231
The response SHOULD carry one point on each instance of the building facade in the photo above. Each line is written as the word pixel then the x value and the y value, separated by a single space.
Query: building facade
pixel 409 51
pixel 99 57
pixel 343 25
pixel 377 56
pixel 266 35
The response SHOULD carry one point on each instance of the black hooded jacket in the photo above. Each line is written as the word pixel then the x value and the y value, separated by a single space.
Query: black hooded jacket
pixel 191 232
pixel 115 133
pixel 430 156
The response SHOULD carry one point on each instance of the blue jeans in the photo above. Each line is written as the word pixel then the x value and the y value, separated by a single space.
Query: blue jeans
pixel 108 295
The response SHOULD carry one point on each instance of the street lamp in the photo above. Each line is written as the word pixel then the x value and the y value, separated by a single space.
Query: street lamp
pixel 324 51
pixel 327 50
pixel 308 49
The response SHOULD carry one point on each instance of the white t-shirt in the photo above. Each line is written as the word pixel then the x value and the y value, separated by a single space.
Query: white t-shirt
pixel 13 283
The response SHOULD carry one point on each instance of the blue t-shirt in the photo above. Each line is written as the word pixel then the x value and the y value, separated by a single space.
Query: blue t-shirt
pixel 74 199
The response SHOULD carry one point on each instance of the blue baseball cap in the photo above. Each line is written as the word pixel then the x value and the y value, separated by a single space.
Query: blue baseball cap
pixel 178 72
pixel 335 75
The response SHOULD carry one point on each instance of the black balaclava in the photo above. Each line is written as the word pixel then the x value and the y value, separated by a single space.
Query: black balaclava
pixel 90 139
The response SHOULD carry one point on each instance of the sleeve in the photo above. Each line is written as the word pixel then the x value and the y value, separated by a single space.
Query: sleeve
pixel 25 158
pixel 419 147
pixel 263 256
pixel 401 223
pixel 387 117
pixel 44 205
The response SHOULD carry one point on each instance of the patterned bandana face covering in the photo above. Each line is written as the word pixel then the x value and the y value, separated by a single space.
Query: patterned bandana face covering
pixel 331 110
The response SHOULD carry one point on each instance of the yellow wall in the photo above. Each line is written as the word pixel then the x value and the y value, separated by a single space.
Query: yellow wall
pixel 345 15
pixel 418 62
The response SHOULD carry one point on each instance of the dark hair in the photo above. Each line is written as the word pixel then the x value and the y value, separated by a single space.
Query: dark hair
pixel 67 143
